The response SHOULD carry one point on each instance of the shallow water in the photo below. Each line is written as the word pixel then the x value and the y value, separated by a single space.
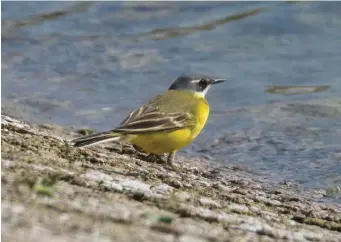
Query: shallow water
pixel 90 63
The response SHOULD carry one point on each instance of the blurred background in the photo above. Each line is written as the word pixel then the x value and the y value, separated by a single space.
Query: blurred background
pixel 88 64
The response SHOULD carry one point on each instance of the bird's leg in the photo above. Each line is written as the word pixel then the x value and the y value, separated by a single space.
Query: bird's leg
pixel 156 158
pixel 170 160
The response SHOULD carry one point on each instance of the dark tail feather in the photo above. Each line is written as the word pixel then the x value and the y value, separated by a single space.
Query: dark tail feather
pixel 95 139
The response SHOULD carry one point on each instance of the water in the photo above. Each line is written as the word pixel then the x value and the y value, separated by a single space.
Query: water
pixel 91 63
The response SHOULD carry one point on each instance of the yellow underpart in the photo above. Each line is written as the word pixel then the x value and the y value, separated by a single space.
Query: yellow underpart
pixel 168 141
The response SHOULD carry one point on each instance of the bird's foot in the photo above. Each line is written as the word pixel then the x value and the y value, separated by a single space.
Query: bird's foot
pixel 160 159
pixel 156 158
pixel 174 167
pixel 170 163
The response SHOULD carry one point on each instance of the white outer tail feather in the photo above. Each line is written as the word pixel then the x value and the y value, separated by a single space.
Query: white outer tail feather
pixel 102 141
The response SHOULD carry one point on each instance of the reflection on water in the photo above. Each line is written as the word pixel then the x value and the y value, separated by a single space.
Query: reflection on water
pixel 91 63
pixel 10 25
pixel 291 90
pixel 179 31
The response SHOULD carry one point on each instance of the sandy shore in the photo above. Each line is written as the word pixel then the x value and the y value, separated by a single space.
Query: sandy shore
pixel 54 192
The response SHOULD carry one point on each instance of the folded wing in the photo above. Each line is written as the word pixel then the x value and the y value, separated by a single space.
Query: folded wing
pixel 150 119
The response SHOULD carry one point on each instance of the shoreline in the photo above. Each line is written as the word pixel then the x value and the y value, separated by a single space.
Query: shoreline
pixel 109 192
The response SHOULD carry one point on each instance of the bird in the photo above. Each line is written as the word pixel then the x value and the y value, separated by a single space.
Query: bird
pixel 167 123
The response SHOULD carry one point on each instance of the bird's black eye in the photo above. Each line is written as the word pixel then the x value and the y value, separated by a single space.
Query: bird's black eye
pixel 203 83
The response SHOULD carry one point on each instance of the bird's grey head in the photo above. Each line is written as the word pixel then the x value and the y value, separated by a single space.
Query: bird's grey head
pixel 197 84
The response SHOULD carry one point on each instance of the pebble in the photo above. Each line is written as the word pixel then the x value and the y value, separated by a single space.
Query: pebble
pixel 135 186
pixel 112 186
pixel 163 189
pixel 182 196
pixel 238 208
pixel 205 201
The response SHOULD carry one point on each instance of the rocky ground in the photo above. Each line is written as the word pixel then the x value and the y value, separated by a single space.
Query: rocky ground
pixel 54 192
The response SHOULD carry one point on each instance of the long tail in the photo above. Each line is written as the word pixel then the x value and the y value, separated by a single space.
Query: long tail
pixel 95 139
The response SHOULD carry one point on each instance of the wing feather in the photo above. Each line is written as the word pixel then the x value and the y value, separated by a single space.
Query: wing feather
pixel 149 119
pixel 138 112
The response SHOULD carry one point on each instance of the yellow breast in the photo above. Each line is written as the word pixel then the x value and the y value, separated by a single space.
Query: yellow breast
pixel 201 112
pixel 168 141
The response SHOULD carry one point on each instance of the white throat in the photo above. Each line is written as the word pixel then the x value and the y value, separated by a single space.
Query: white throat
pixel 203 93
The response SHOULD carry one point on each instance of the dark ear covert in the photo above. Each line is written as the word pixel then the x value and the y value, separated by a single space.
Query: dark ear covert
pixel 203 83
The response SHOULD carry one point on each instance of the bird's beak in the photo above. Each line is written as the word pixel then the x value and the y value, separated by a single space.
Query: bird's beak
pixel 216 81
